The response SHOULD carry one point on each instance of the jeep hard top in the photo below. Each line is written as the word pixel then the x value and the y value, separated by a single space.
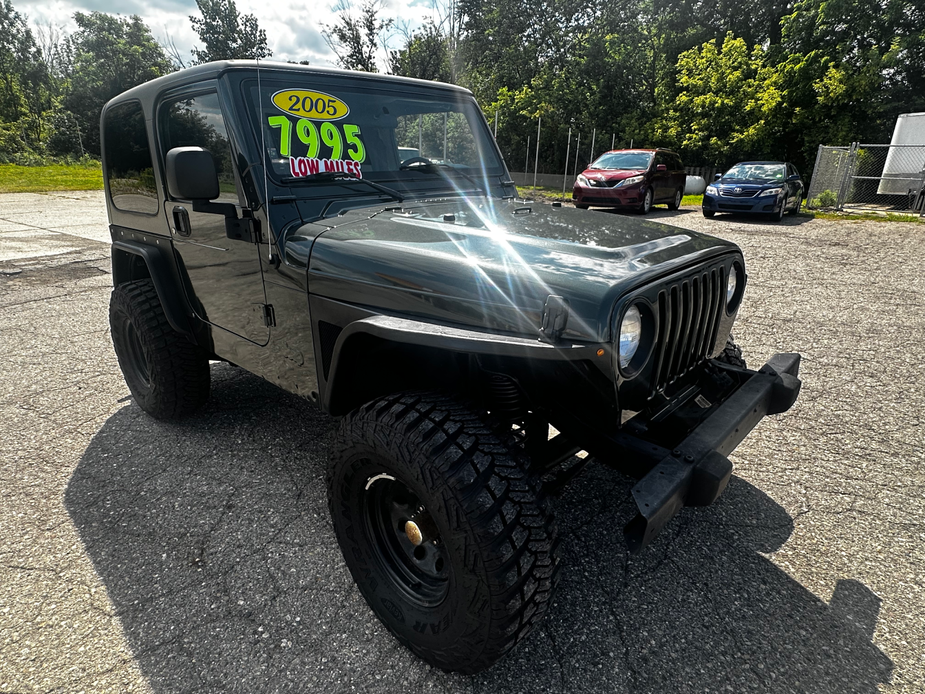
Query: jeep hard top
pixel 357 240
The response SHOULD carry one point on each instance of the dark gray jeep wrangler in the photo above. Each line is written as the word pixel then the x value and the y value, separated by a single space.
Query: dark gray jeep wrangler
pixel 356 239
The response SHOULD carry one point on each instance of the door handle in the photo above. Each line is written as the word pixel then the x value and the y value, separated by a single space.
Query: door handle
pixel 181 221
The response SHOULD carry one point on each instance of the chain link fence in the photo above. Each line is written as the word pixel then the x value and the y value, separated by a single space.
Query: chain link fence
pixel 869 178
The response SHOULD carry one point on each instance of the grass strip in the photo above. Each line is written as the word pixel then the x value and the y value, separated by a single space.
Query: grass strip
pixel 42 179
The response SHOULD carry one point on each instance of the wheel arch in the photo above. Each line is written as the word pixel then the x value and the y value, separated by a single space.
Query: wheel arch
pixel 380 354
pixel 132 261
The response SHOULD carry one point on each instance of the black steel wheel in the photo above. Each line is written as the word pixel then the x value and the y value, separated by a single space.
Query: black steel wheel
pixel 445 532
pixel 407 544
pixel 167 374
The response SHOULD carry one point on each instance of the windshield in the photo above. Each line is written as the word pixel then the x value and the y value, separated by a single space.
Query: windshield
pixel 312 125
pixel 622 160
pixel 757 172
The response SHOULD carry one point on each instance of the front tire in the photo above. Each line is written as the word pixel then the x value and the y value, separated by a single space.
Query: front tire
pixel 709 214
pixel 484 570
pixel 167 375
pixel 779 215
pixel 646 205
pixel 732 354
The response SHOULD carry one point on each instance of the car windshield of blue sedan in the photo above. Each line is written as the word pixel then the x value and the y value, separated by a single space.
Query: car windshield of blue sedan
pixel 760 173
pixel 615 161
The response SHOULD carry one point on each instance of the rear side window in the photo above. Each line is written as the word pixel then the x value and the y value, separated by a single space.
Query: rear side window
pixel 128 160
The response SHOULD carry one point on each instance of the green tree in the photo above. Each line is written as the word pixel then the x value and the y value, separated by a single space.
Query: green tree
pixel 227 34
pixel 356 40
pixel 729 107
pixel 425 55
pixel 853 66
pixel 24 83
pixel 110 55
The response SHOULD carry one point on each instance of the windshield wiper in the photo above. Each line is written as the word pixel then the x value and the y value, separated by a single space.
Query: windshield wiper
pixel 343 177
pixel 435 168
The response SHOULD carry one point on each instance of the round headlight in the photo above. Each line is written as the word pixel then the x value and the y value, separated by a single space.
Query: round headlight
pixel 731 286
pixel 630 334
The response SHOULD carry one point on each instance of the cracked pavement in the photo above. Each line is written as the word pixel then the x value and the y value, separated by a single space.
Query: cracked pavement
pixel 139 556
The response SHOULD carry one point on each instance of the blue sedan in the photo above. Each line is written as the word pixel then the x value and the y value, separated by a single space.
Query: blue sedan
pixel 770 188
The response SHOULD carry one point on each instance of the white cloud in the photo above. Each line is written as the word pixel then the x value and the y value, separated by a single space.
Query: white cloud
pixel 293 28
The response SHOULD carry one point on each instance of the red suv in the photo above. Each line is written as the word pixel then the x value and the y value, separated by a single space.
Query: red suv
pixel 634 178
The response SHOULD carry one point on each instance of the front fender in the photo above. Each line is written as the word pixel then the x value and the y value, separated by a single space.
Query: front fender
pixel 438 350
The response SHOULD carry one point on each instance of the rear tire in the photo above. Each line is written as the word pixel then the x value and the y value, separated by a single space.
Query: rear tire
pixel 678 196
pixel 167 374
pixel 486 569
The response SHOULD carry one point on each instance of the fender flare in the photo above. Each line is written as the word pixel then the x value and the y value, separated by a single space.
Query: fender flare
pixel 163 274
pixel 408 332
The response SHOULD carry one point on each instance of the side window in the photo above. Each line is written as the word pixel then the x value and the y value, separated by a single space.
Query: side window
pixel 128 160
pixel 197 122
pixel 676 163
pixel 660 158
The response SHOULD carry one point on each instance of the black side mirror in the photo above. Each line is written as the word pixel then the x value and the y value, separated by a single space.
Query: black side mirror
pixel 794 177
pixel 191 174
pixel 716 177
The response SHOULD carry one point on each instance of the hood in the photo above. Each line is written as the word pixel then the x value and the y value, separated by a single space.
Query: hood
pixel 611 174
pixel 750 184
pixel 485 263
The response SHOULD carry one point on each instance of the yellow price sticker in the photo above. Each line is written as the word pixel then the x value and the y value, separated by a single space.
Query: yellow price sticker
pixel 309 104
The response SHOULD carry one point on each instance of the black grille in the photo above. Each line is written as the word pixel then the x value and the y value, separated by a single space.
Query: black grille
pixel 688 316
pixel 730 193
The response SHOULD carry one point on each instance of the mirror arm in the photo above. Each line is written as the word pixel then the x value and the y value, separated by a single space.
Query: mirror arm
pixel 223 208
pixel 244 229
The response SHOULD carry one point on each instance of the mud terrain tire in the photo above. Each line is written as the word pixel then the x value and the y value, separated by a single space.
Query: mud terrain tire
pixel 167 374
pixel 485 574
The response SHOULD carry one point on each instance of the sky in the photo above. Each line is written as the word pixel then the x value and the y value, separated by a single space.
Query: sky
pixel 293 26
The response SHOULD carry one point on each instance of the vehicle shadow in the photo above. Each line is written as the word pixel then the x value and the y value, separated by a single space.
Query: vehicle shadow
pixel 214 543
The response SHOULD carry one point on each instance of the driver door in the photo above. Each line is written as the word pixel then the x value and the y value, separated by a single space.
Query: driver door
pixel 225 274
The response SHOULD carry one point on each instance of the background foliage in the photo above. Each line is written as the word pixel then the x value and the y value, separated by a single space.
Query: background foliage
pixel 717 81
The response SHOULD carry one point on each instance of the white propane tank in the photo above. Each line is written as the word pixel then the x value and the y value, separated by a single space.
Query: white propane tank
pixel 695 185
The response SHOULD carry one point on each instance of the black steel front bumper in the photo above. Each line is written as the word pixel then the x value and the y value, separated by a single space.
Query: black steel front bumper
pixel 695 471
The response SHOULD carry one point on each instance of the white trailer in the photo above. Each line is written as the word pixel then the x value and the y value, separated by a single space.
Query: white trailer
pixel 904 170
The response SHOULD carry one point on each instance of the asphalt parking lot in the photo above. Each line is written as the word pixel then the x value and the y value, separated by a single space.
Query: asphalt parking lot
pixel 140 556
